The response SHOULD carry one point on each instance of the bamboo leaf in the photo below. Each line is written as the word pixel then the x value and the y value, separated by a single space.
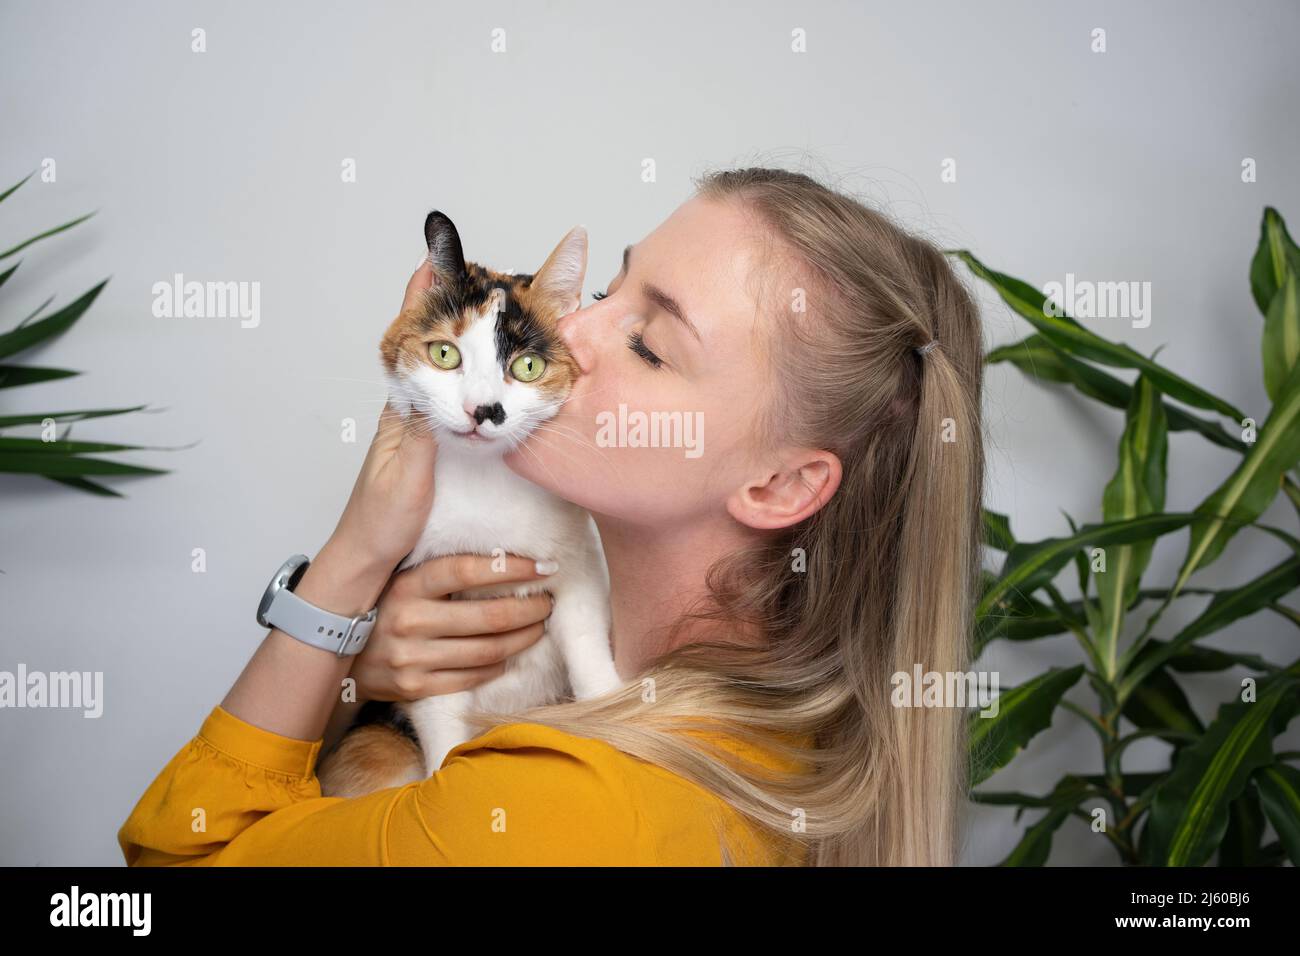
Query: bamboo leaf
pixel 33 418
pixel 85 484
pixel 11 376
pixel 1137 489
pixel 1158 703
pixel 1084 571
pixel 997 531
pixel 1020 617
pixel 1023 712
pixel 1029 565
pixel 1133 783
pixel 1276 251
pixel 34 313
pixel 38 447
pixel 1036 845
pixel 1067 334
pixel 1243 841
pixel 44 235
pixel 4 276
pixel 1189 813
pixel 1010 798
pixel 1195 659
pixel 14 188
pixel 1251 488
pixel 1279 794
pixel 1290 614
pixel 1228 605
pixel 35 463
pixel 1281 341
pixel 1037 357
pixel 25 337
pixel 1069 790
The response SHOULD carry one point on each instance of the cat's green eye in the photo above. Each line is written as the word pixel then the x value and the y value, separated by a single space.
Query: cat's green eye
pixel 528 367
pixel 444 355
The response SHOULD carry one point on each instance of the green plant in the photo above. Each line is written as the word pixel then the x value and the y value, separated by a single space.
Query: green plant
pixel 1224 777
pixel 52 456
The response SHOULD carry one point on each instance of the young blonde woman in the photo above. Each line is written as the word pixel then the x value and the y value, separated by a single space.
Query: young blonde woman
pixel 763 593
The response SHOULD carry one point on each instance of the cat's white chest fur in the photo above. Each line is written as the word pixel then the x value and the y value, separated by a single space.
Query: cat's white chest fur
pixel 482 507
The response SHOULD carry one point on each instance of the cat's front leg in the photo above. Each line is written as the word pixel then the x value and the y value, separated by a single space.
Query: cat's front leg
pixel 580 624
pixel 439 725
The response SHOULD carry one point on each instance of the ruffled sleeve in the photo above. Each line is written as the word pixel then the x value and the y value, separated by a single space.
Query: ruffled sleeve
pixel 517 795
pixel 219 785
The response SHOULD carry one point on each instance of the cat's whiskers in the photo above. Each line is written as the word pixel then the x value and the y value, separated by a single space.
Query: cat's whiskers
pixel 524 447
pixel 551 442
pixel 534 422
pixel 571 434
pixel 531 428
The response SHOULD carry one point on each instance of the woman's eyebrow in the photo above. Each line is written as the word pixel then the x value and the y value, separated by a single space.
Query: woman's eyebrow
pixel 662 299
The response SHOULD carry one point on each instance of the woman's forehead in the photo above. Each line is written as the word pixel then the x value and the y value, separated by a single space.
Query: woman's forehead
pixel 706 255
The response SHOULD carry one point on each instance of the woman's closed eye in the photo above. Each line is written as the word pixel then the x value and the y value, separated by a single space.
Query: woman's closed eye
pixel 637 344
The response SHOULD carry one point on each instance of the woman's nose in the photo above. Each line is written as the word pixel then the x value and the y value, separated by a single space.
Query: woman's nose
pixel 575 331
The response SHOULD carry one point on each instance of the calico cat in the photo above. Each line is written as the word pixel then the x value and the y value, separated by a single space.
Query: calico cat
pixel 483 364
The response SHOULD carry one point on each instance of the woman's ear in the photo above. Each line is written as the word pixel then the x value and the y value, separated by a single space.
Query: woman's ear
pixel 787 493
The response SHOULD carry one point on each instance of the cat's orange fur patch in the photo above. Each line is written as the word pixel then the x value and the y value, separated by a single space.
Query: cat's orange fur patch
pixel 369 758
pixel 406 341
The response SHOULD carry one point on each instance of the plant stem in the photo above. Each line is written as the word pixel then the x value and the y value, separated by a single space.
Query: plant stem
pixel 1067 616
pixel 1091 719
pixel 1126 851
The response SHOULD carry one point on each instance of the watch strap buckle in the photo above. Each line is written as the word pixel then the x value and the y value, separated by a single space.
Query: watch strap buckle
pixel 356 632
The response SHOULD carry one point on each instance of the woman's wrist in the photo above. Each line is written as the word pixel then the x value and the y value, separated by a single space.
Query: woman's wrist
pixel 337 582
pixel 341 580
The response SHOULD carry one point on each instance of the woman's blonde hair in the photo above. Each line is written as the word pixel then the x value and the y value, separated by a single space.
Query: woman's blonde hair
pixel 882 578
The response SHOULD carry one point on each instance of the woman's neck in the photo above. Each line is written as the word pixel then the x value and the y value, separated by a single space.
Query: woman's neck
pixel 655 575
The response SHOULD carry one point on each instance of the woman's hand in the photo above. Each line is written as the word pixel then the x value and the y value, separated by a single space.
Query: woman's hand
pixel 393 494
pixel 425 644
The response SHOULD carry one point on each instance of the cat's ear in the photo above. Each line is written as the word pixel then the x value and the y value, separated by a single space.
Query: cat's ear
pixel 559 281
pixel 444 248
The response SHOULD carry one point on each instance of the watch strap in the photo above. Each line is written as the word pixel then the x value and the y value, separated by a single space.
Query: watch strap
pixel 344 636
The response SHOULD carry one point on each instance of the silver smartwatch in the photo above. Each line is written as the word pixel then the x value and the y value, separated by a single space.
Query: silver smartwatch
pixel 281 608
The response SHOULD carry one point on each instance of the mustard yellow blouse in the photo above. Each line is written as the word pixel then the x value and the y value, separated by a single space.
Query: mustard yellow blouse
pixel 520 794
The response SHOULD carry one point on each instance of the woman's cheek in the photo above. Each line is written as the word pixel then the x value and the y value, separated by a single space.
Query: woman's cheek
pixel 593 401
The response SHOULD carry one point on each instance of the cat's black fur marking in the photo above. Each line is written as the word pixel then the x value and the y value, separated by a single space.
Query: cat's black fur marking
pixel 470 287
pixel 383 712
pixel 519 331
pixel 445 252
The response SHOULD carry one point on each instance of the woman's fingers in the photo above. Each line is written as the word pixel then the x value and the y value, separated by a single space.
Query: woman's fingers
pixel 390 430
pixel 459 653
pixel 420 280
pixel 426 644
pixel 439 577
pixel 455 619
pixel 435 683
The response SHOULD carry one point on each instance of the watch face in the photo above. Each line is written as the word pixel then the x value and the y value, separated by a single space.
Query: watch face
pixel 296 576
pixel 265 604
pixel 288 576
